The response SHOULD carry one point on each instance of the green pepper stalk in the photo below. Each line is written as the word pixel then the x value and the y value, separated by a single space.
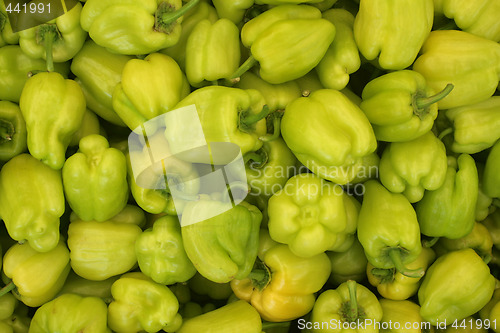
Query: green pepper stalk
pixel 166 15
pixel 47 35
pixel 8 288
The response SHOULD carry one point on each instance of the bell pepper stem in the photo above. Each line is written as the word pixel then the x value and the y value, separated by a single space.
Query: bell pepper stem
pixel 353 303
pixel 445 132
pixel 423 102
pixel 276 130
pixel 430 242
pixel 8 288
pixel 7 131
pixel 169 17
pixel 249 63
pixel 486 257
pixel 395 255
pixel 47 33
pixel 248 120
pixel 253 156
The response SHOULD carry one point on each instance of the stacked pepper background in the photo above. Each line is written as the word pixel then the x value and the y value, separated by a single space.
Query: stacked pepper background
pixel 370 132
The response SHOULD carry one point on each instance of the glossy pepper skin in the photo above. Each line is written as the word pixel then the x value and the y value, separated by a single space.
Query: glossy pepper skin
pixel 212 51
pixel 342 56
pixel 406 313
pixel 351 303
pixel 67 37
pixel 32 202
pixel 475 126
pixel 223 247
pixel 335 141
pixel 400 105
pixel 53 108
pixel 393 285
pixel 90 125
pixel 450 210
pixel 388 229
pixel 142 305
pixel 12 131
pixel 378 32
pixel 71 313
pixel 238 316
pixel 309 213
pixel 148 88
pixel 160 252
pixel 100 250
pixel 348 265
pixel 38 276
pixel 278 37
pixel 15 69
pixel 491 311
pixel 236 107
pixel 233 10
pixel 283 287
pixel 95 180
pixel 442 61
pixel 98 71
pixel 457 285
pixel 414 166
pixel 144 27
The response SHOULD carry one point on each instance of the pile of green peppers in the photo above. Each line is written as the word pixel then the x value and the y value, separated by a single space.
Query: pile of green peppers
pixel 370 136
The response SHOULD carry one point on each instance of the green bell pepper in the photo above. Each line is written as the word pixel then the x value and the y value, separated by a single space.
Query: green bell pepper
pixel 143 27
pixel 335 139
pixel 213 290
pixel 32 202
pixel 98 71
pixel 226 115
pixel 71 313
pixel 12 131
pixel 75 284
pixel 402 317
pixel 148 88
pixel 142 305
pixel 7 36
pixel 457 285
pixel 309 213
pixel 393 32
pixel 53 108
pixel 392 284
pixel 476 17
pixel 490 313
pixel 95 180
pixel 15 69
pixel 278 37
pixel 225 246
pixel 491 178
pixel 131 214
pixel 37 276
pixel 342 57
pixel 100 250
pixel 388 229
pixel 238 316
pixel 414 166
pixel 233 10
pixel 59 39
pixel 474 74
pixel 400 105
pixel 484 202
pixel 450 210
pixel 348 265
pixel 160 252
pixel 269 168
pixel 12 317
pixel 212 51
pixel 350 308
pixel 90 125
pixel 203 10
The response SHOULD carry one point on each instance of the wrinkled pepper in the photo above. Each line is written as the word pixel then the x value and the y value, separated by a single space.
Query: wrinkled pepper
pixel 160 252
pixel 388 230
pixel 393 31
pixel 95 180
pixel 98 71
pixel 37 276
pixel 142 305
pixel 406 313
pixel 335 141
pixel 100 250
pixel 414 166
pixel 212 52
pixel 223 247
pixel 474 74
pixel 400 105
pixel 450 210
pixel 144 27
pixel 71 313
pixel 32 202
pixel 457 285
pixel 392 284
pixel 309 213
pixel 12 131
pixel 348 265
pixel 282 285
pixel 350 305
pixel 53 108
pixel 278 37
